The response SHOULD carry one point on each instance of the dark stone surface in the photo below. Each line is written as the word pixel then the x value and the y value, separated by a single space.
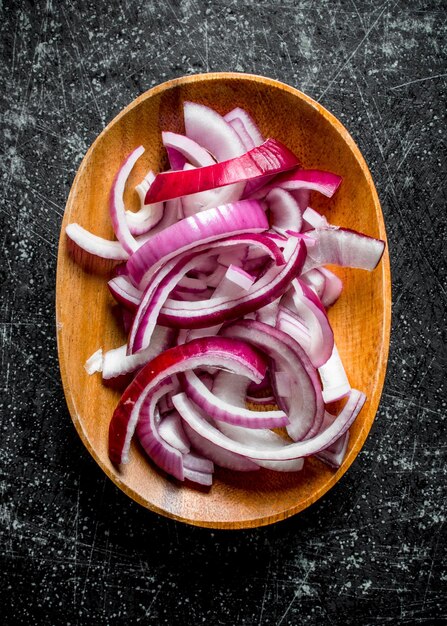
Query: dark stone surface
pixel 74 549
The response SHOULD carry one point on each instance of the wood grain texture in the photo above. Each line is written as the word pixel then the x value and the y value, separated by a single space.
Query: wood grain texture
pixel 361 318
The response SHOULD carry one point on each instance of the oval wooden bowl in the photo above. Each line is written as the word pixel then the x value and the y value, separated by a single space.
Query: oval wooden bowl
pixel 84 308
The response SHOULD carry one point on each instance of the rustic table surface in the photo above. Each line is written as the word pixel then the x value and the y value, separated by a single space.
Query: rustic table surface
pixel 74 549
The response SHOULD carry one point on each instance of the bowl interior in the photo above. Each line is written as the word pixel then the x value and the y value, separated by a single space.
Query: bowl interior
pixel 85 309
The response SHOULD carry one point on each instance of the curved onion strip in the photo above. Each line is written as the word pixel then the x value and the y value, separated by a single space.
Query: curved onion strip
pixel 161 453
pixel 165 279
pixel 219 456
pixel 213 351
pixel 210 130
pixel 305 409
pixel 248 122
pixel 206 227
pixel 285 213
pixel 334 379
pixel 220 409
pixel 218 310
pixel 149 215
pixel 116 362
pixel 347 248
pixel 116 203
pixel 243 135
pixel 171 430
pixel 93 244
pixel 271 157
pixel 190 149
pixel 234 388
pixel 292 451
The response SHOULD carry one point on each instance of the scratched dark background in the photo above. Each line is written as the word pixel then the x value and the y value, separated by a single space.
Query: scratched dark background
pixel 74 549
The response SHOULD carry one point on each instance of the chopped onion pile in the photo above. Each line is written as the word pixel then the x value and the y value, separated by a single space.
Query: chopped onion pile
pixel 224 294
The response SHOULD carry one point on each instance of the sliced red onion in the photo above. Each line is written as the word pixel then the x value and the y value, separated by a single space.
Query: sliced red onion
pixel 305 408
pixel 239 127
pixel 218 408
pixel 248 123
pixel 233 283
pixel 98 246
pixel 313 219
pixel 315 280
pixel 198 202
pixel 171 430
pixel 219 456
pixel 162 454
pixel 290 324
pixel 210 130
pixel 283 384
pixel 149 215
pixel 117 363
pixel 166 278
pixel 269 313
pixel 235 256
pixel 94 363
pixel 190 149
pixel 191 285
pixel 344 247
pixel 235 388
pixel 271 157
pixel 232 354
pixel 334 379
pixel 205 227
pixel 198 463
pixel 334 454
pixel 198 477
pixel 310 310
pixel 124 292
pixel 302 196
pixel 325 183
pixel 291 451
pixel 333 287
pixel 285 213
pixel 165 406
pixel 116 203
pixel 218 310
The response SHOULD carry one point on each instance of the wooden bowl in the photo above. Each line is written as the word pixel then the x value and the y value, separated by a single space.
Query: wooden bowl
pixel 84 308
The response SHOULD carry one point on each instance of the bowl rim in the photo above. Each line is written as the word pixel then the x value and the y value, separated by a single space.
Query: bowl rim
pixel 377 390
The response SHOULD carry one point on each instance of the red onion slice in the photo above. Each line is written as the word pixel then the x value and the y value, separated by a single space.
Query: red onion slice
pixel 218 408
pixel 191 150
pixel 243 135
pixel 235 389
pixel 218 310
pixel 117 363
pixel 248 123
pixel 93 244
pixel 214 351
pixel 285 213
pixel 310 310
pixel 116 203
pixel 210 130
pixel 333 287
pixel 167 277
pixel 205 227
pixel 219 456
pixel 149 215
pixel 269 158
pixel 305 409
pixel 347 248
pixel 334 379
pixel 162 454
pixel 171 430
pixel 292 451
